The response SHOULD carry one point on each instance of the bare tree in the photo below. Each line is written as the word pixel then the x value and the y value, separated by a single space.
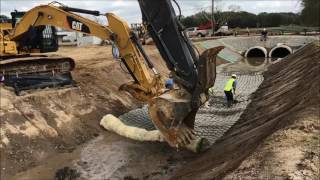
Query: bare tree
pixel 224 16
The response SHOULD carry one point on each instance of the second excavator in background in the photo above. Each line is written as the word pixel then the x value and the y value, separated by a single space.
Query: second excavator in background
pixel 172 110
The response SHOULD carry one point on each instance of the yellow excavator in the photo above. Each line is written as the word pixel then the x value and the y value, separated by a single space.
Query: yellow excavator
pixel 172 111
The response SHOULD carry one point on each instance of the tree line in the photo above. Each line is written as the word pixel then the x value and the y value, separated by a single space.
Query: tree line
pixel 309 16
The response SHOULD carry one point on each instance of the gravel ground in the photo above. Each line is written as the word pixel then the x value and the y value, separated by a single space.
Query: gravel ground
pixel 214 118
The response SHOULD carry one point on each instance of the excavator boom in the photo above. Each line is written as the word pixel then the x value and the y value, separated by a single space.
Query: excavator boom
pixel 173 113
pixel 146 82
pixel 172 110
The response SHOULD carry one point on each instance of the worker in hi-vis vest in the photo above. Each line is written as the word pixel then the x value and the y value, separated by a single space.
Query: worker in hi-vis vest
pixel 229 87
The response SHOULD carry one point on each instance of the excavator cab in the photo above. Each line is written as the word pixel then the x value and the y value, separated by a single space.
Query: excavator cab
pixel 40 39
pixel 48 39
pixel 24 70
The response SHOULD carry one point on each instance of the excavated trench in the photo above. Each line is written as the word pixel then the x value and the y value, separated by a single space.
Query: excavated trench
pixel 233 132
pixel 213 120
pixel 113 157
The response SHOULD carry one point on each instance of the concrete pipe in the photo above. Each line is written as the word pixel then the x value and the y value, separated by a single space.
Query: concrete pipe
pixel 280 51
pixel 256 51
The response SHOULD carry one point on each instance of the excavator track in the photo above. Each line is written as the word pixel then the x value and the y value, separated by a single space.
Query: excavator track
pixel 36 72
pixel 36 64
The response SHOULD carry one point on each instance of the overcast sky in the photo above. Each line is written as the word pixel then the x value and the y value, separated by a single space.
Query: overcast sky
pixel 129 9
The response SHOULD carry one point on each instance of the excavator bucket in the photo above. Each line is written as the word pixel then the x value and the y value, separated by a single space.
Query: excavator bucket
pixel 173 113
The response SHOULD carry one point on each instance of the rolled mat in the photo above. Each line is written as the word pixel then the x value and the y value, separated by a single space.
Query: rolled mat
pixel 114 124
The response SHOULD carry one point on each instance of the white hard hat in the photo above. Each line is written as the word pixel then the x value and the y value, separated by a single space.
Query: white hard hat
pixel 234 75
pixel 264 29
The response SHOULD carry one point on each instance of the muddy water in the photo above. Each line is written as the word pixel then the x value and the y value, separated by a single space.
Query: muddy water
pixel 47 170
pixel 256 61
pixel 259 61
pixel 110 156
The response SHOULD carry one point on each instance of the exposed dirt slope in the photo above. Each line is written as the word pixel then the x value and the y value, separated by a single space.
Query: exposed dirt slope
pixel 290 87
pixel 292 153
pixel 43 123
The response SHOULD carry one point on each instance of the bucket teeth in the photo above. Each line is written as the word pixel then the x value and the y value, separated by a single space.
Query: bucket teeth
pixel 190 135
pixel 185 140
pixel 184 136
pixel 180 141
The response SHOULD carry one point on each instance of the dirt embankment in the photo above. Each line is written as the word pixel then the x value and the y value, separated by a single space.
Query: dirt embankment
pixel 290 89
pixel 38 125
pixel 292 153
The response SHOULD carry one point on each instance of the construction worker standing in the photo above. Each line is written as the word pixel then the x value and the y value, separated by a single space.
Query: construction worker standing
pixel 264 35
pixel 1 78
pixel 230 85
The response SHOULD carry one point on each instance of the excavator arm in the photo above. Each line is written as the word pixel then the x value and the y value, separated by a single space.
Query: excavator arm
pixel 175 48
pixel 172 111
pixel 147 82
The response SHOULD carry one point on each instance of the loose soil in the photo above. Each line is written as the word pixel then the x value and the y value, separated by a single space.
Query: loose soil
pixel 40 124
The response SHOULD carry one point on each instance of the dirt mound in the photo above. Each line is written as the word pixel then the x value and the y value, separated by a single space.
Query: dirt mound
pixel 36 126
pixel 290 87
